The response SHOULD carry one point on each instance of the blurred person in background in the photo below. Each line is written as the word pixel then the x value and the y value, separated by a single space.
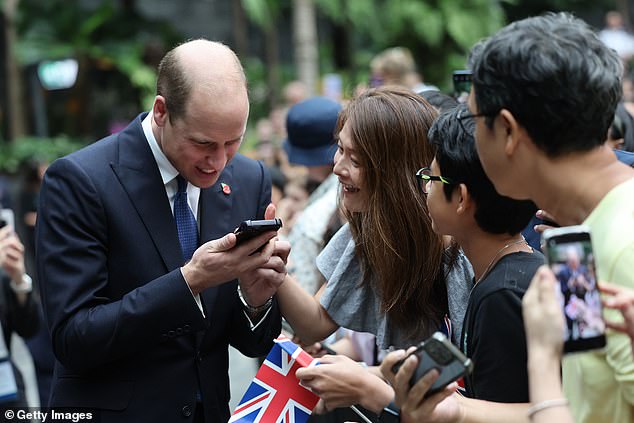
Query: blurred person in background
pixel 310 126
pixel 39 344
pixel 396 66
pixel 292 203
pixel 616 36
pixel 18 313
pixel 294 92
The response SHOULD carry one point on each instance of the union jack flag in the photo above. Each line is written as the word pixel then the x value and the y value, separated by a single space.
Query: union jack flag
pixel 275 395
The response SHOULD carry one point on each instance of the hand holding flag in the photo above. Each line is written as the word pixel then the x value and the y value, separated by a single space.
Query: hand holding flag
pixel 275 395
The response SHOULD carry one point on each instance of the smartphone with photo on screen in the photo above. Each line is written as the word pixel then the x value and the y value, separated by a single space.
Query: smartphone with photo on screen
pixel 570 256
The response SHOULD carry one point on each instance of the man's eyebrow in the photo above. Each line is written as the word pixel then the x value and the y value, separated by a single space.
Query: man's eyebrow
pixel 210 141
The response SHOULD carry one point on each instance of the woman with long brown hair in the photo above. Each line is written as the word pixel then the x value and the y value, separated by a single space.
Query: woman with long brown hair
pixel 387 271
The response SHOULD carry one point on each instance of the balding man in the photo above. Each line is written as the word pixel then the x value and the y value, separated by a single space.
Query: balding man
pixel 138 268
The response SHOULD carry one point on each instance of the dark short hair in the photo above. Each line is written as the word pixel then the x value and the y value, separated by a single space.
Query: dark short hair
pixel 173 84
pixel 441 101
pixel 458 160
pixel 555 76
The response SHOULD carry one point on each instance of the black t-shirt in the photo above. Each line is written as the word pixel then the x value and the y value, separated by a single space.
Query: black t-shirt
pixel 493 332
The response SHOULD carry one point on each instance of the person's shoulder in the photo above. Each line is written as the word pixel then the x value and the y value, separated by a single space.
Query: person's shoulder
pixel 336 247
pixel 513 272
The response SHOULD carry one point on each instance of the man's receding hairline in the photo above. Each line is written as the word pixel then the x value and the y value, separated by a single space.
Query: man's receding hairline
pixel 202 50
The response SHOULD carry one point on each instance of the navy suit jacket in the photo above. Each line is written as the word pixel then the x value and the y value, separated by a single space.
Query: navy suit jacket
pixel 127 334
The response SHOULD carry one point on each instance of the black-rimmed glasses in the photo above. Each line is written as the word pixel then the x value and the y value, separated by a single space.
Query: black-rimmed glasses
pixel 425 177
pixel 464 114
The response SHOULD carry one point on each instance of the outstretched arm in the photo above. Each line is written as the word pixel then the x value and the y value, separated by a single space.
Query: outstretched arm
pixel 306 315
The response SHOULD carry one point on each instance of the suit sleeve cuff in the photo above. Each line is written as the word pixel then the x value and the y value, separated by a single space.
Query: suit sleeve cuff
pixel 251 324
pixel 195 296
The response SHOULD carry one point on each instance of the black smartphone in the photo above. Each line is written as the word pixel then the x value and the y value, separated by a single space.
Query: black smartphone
pixel 461 84
pixel 251 228
pixel 569 254
pixel 438 353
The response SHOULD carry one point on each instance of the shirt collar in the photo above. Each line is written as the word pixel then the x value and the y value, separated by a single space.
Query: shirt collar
pixel 168 171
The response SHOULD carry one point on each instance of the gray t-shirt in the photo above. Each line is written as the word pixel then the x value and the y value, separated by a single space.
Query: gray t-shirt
pixel 357 307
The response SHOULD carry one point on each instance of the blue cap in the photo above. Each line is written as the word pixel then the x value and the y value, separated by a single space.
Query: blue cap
pixel 310 125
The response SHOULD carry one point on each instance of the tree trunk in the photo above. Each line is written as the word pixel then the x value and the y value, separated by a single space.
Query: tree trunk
pixel 240 29
pixel 15 95
pixel 272 65
pixel 305 41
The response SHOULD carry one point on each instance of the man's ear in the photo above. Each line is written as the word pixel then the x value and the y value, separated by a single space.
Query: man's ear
pixel 513 132
pixel 159 111
pixel 464 199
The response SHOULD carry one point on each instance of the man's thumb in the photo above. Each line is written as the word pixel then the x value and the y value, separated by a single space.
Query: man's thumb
pixel 269 213
pixel 222 244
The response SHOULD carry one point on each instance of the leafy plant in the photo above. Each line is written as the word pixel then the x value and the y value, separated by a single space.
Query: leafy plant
pixel 13 155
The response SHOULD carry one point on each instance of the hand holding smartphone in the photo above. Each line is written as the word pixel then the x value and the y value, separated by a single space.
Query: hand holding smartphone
pixel 437 352
pixel 7 218
pixel 569 254
pixel 251 228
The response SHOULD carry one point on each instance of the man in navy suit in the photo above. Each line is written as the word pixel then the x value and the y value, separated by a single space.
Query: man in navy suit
pixel 141 333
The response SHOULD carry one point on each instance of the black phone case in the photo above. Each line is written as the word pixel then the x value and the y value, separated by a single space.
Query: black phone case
pixel 251 228
pixel 438 353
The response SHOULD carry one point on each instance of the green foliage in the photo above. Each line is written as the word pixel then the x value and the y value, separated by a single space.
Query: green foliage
pixel 24 150
pixel 413 15
pixel 259 12
pixel 438 32
pixel 57 29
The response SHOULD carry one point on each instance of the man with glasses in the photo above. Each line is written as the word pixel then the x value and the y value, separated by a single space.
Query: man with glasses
pixel 549 90
pixel 544 94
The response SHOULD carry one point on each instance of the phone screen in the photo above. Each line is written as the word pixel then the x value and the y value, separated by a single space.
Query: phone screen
pixel 571 259
pixel 461 84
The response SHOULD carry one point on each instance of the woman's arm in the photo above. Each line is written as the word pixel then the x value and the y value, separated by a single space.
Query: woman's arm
pixel 309 319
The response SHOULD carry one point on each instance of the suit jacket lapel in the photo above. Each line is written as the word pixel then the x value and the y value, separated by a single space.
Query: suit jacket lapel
pixel 138 173
pixel 215 210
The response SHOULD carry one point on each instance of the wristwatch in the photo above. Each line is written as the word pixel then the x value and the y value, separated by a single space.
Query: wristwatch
pixel 26 285
pixel 390 414
pixel 254 310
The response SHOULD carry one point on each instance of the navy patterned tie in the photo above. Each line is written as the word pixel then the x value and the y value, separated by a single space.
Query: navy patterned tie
pixel 185 221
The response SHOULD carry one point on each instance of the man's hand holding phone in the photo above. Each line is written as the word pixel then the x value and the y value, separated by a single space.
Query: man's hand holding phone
pixel 221 260
pixel 260 283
